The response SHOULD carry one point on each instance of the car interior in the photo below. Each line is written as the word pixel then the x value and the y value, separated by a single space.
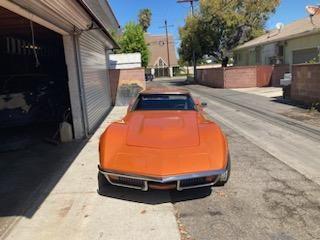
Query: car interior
pixel 164 102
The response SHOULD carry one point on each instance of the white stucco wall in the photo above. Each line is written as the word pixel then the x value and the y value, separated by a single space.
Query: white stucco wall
pixel 306 42
pixel 125 61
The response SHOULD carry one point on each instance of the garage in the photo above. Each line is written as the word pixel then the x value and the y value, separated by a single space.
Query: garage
pixel 54 89
pixel 34 91
pixel 82 32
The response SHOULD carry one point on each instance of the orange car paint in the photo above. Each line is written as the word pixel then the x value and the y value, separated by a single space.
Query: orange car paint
pixel 163 143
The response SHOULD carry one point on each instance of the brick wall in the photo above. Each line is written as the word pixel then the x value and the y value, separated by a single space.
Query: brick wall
pixel 306 83
pixel 235 77
pixel 240 77
pixel 278 73
pixel 125 84
pixel 211 77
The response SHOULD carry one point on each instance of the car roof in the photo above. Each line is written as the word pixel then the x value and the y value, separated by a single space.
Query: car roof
pixel 165 91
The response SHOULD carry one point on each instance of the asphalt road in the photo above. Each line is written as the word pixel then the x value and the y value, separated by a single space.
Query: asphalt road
pixel 273 192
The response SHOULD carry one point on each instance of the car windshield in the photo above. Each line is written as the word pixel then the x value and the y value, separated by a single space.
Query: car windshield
pixel 164 102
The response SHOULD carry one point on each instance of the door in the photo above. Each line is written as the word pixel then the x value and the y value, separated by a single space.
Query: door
pixel 96 84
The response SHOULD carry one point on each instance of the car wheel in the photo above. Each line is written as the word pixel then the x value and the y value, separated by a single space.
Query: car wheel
pixel 223 178
pixel 102 183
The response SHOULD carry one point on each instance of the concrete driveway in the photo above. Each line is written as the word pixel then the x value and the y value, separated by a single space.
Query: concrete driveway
pixel 74 210
pixel 273 192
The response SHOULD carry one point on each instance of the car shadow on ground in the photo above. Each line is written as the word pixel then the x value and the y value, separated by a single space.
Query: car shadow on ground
pixel 154 197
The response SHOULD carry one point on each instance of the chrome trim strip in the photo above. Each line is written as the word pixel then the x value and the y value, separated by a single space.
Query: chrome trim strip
pixel 165 179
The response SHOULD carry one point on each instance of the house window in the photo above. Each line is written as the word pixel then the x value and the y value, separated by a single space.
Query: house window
pixel 280 51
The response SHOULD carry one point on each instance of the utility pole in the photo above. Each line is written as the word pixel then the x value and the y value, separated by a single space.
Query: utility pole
pixel 193 50
pixel 167 37
pixel 167 40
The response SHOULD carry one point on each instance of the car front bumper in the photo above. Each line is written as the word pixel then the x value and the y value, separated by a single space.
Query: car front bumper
pixel 179 182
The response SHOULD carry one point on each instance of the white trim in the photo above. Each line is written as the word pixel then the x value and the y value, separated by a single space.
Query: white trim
pixel 75 88
pixel 24 13
pixel 155 64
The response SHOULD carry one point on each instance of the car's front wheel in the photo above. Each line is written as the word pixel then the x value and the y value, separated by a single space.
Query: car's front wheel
pixel 223 178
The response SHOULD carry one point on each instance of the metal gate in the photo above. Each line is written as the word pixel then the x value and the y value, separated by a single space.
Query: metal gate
pixel 96 84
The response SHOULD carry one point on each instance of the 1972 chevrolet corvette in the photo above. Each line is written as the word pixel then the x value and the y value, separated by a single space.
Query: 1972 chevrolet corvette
pixel 164 142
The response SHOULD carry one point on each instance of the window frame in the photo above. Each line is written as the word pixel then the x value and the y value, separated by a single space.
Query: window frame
pixel 133 106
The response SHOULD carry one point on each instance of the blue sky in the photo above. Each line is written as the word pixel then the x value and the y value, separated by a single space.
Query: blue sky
pixel 127 10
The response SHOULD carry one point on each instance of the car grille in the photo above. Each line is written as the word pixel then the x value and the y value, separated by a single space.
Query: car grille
pixel 193 182
pixel 130 181
pixel 143 184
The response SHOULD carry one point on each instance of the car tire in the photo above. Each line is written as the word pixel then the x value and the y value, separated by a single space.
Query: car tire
pixel 223 178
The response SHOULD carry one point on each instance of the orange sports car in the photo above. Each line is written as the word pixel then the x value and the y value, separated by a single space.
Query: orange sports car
pixel 164 142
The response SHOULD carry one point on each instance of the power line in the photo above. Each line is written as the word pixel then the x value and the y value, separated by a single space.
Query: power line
pixel 193 50
pixel 167 37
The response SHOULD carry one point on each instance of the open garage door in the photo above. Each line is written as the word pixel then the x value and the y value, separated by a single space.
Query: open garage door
pixel 34 90
pixel 95 79
pixel 34 104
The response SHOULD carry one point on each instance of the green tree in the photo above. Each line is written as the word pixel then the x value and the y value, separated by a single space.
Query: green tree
pixel 145 18
pixel 189 41
pixel 132 41
pixel 221 25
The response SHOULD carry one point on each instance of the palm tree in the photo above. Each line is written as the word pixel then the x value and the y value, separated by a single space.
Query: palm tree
pixel 145 18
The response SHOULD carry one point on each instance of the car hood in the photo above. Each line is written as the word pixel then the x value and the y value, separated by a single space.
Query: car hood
pixel 162 129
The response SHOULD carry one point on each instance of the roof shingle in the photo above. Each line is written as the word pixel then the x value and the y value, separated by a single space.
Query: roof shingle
pixel 295 29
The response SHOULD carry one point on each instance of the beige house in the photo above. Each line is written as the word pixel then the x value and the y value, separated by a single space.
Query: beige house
pixel 297 42
pixel 160 63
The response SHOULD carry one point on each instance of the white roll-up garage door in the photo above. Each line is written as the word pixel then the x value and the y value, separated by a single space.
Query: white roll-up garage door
pixel 96 84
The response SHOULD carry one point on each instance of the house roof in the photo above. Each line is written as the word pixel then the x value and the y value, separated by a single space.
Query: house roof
pixel 157 45
pixel 299 28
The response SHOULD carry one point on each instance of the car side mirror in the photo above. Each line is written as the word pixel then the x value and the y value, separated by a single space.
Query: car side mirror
pixel 204 104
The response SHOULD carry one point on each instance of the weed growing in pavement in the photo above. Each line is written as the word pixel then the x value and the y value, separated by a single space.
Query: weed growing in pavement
pixel 315 106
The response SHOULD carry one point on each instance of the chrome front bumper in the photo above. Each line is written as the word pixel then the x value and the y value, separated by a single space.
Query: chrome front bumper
pixel 184 181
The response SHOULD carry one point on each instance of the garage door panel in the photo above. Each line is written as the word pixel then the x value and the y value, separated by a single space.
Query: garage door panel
pixel 95 79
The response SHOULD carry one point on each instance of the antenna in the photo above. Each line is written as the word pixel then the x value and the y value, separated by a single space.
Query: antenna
pixel 279 26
